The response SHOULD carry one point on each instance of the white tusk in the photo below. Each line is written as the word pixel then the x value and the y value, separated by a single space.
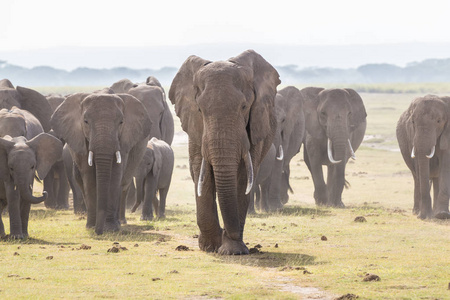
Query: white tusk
pixel 280 149
pixel 330 154
pixel 249 167
pixel 15 187
pixel 91 155
pixel 352 153
pixel 413 152
pixel 432 152
pixel 118 157
pixel 201 178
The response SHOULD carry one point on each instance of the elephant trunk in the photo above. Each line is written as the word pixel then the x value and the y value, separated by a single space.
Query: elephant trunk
pixel 338 144
pixel 103 164
pixel 26 193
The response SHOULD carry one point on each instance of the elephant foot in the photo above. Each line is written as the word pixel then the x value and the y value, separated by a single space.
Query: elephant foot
pixel 209 244
pixel 123 221
pixel 161 217
pixel 339 204
pixel 416 211
pixel 111 226
pixel 232 247
pixel 424 215
pixel 62 207
pixel 147 217
pixel 442 215
pixel 15 237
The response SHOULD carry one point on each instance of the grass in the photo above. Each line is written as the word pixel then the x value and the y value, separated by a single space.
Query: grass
pixel 412 257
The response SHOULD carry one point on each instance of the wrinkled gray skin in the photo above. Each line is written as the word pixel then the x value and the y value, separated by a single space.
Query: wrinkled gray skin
pixel 56 183
pixel 30 151
pixel 338 116
pixel 227 109
pixel 152 95
pixel 287 141
pixel 260 190
pixel 154 175
pixel 105 125
pixel 425 127
pixel 27 99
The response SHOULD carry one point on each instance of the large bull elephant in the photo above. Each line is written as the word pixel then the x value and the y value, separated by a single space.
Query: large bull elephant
pixel 227 109
pixel 27 99
pixel 107 135
pixel 24 150
pixel 287 141
pixel 423 134
pixel 335 127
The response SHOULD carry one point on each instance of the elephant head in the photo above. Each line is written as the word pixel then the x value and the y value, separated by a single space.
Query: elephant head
pixel 101 131
pixel 227 109
pixel 27 99
pixel 333 115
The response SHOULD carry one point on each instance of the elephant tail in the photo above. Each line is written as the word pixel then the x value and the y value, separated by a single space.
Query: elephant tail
pixel 347 184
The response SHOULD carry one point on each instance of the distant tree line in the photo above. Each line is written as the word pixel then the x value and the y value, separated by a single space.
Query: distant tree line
pixel 431 70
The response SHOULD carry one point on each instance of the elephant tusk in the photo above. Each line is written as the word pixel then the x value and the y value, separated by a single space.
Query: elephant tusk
pixel 201 178
pixel 91 155
pixel 432 152
pixel 330 154
pixel 249 167
pixel 280 149
pixel 118 157
pixel 352 153
pixel 413 152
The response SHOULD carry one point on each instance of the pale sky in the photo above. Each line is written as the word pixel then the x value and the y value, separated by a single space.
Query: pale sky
pixel 31 24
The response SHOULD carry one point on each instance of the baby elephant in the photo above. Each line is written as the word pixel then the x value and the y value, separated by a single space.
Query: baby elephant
pixel 154 174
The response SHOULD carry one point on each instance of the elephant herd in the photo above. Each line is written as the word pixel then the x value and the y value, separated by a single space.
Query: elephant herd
pixel 112 147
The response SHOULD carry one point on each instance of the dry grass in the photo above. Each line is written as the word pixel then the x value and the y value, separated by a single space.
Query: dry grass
pixel 412 257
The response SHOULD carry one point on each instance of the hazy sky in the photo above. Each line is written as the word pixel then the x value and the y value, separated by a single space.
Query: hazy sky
pixel 50 23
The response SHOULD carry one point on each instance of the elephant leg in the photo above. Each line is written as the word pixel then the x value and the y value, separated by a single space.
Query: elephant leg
pixel 15 223
pixel 335 184
pixel 79 205
pixel 162 202
pixel 140 192
pixel 62 199
pixel 312 160
pixel 416 208
pixel 131 195
pixel 88 182
pixel 123 205
pixel 25 207
pixel 49 187
pixel 2 226
pixel 264 196
pixel 251 206
pixel 441 202
pixel 118 192
pixel 232 238
pixel 149 195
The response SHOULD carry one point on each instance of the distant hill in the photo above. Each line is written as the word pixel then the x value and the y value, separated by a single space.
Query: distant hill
pixel 430 70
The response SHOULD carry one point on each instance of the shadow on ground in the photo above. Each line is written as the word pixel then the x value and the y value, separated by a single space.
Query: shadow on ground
pixel 295 211
pixel 132 233
pixel 271 260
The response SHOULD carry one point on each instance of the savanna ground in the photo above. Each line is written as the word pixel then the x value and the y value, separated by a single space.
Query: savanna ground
pixel 305 252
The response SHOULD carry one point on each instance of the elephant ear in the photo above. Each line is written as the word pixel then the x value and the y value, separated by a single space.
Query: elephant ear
pixel 5 83
pixel 358 110
pixel 48 150
pixel 265 81
pixel 136 123
pixel 5 146
pixel 36 104
pixel 67 121
pixel 311 103
pixel 182 94
pixel 445 136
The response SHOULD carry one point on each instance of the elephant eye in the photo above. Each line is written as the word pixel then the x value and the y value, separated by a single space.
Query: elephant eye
pixel 86 122
pixel 244 107
pixel 12 169
pixel 439 121
pixel 121 122
pixel 32 167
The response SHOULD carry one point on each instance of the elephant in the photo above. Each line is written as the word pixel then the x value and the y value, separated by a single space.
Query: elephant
pixel 154 175
pixel 107 136
pixel 79 206
pixel 227 109
pixel 26 99
pixel 423 134
pixel 56 182
pixel 262 183
pixel 335 125
pixel 21 156
pixel 152 95
pixel 287 141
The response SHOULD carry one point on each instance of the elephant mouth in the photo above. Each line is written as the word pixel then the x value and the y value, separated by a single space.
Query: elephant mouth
pixel 330 152
pixel 91 158
pixel 433 150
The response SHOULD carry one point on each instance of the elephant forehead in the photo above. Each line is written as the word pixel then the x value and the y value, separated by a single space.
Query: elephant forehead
pixel 8 98
pixel 220 73
pixel 102 103
pixel 21 153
